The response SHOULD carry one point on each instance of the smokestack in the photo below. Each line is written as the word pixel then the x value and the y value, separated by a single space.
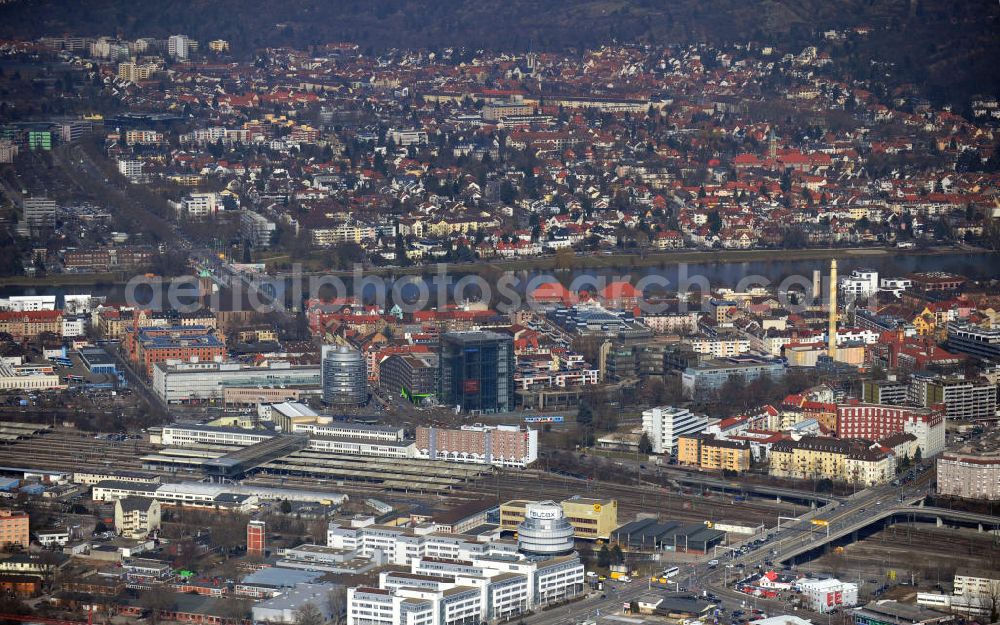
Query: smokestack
pixel 817 285
pixel 832 330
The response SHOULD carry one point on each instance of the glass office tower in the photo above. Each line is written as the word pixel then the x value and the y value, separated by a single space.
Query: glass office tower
pixel 477 371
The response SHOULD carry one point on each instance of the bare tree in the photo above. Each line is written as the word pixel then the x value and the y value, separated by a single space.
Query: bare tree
pixel 309 615
pixel 337 602
pixel 989 599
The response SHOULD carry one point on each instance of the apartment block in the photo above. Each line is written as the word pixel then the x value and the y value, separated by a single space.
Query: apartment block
pixel 971 475
pixel 14 528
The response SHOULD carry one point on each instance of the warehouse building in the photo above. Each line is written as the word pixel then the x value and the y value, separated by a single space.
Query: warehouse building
pixel 652 535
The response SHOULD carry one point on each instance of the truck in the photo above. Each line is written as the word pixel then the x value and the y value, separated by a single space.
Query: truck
pixel 713 563
pixel 621 577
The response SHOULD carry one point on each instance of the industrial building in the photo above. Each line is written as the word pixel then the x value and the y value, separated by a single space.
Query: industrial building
pixel 476 371
pixel 652 535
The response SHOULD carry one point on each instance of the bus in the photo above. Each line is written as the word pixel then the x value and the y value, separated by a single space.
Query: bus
pixel 74 378
pixel 62 361
pixel 674 570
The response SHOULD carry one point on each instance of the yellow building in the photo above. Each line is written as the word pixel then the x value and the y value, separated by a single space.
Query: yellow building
pixel 725 456
pixel 814 457
pixel 591 519
pixel 715 455
pixel 689 450
pixel 14 528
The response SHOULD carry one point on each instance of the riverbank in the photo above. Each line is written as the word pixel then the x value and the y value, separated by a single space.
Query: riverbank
pixel 577 262
pixel 65 280
pixel 581 261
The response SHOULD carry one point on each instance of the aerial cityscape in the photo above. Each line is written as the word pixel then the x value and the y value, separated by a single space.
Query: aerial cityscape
pixel 540 313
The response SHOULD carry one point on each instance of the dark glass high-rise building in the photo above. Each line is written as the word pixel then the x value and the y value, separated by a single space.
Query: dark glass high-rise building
pixel 477 371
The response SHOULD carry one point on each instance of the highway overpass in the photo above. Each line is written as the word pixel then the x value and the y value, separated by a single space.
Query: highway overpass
pixel 858 525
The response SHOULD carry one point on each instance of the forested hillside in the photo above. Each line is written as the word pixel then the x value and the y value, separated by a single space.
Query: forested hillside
pixel 949 48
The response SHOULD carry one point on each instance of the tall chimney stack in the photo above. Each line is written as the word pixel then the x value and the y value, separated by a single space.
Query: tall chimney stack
pixel 831 349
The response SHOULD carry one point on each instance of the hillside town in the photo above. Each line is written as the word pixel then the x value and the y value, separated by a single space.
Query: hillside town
pixel 452 337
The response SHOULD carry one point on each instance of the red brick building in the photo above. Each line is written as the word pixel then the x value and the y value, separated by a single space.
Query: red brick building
pixel 501 445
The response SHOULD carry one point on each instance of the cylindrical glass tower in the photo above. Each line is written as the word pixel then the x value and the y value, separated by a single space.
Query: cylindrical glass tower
pixel 545 530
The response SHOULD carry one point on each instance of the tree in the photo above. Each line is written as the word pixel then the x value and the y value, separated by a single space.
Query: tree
pixel 285 506
pixel 645 446
pixel 714 221
pixel 565 259
pixel 337 603
pixel 989 599
pixel 604 557
pixel 617 557
pixel 917 457
pixel 309 615
pixel 584 414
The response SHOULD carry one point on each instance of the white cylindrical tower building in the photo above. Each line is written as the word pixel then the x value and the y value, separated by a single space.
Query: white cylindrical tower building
pixel 545 530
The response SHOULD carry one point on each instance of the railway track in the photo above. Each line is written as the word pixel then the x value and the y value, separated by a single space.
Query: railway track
pixel 632 499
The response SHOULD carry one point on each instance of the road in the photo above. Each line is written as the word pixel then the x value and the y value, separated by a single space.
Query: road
pixel 787 537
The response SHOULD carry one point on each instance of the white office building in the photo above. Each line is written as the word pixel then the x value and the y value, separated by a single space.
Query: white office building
pixel 179 47
pixel 200 204
pixel 861 283
pixel 439 591
pixel 665 424
pixel 28 303
pixel 256 229
pixel 131 169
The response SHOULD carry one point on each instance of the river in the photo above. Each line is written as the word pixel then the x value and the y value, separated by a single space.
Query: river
pixel 718 274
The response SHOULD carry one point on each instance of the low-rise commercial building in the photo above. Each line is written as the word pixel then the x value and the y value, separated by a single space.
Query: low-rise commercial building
pixel 826 595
